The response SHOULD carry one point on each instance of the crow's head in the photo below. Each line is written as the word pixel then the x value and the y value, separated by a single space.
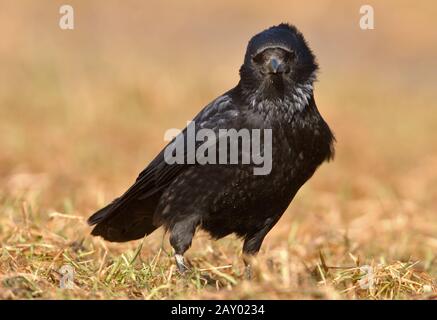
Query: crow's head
pixel 278 61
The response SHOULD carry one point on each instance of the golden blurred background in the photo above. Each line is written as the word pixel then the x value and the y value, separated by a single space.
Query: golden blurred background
pixel 83 111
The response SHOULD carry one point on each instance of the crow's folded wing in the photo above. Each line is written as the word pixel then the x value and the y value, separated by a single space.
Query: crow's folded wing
pixel 222 113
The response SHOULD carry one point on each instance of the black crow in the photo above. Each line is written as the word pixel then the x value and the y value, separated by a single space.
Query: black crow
pixel 275 93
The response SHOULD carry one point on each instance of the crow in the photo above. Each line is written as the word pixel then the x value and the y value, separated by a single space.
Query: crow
pixel 275 92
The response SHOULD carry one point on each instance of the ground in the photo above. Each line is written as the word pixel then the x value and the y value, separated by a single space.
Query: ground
pixel 83 111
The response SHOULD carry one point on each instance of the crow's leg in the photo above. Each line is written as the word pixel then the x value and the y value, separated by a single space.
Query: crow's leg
pixel 251 248
pixel 181 236
pixel 252 244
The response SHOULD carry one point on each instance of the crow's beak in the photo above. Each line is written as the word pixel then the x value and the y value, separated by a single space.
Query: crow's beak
pixel 276 66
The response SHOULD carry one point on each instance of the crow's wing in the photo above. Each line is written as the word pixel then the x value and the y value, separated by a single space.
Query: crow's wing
pixel 222 113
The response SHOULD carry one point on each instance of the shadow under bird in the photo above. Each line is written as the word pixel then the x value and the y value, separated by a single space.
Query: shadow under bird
pixel 275 92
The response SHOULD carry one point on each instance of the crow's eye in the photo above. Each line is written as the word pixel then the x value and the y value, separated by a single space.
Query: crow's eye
pixel 289 56
pixel 258 59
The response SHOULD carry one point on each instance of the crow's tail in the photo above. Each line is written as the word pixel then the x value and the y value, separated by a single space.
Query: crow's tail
pixel 130 221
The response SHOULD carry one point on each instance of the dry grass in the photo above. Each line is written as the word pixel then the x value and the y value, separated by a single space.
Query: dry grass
pixel 82 112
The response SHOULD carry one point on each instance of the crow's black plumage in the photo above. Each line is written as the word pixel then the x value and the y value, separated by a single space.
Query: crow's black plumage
pixel 275 92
